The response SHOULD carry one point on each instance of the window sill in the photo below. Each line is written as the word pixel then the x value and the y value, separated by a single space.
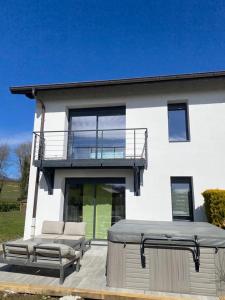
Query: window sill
pixel 187 141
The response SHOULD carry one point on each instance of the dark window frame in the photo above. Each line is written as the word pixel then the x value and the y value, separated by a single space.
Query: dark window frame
pixel 95 181
pixel 189 180
pixel 98 112
pixel 179 106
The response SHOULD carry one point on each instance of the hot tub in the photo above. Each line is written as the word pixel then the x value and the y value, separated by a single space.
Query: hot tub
pixel 180 257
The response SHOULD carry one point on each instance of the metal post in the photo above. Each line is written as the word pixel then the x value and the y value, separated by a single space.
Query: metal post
pixel 101 143
pixel 146 148
pixel 35 141
pixel 134 144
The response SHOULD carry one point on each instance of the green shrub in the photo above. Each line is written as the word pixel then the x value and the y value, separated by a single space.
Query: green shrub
pixel 214 202
pixel 7 206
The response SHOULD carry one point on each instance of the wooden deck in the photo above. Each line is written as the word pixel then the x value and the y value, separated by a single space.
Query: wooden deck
pixel 90 278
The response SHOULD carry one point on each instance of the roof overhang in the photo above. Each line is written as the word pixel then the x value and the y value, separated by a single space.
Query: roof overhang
pixel 30 90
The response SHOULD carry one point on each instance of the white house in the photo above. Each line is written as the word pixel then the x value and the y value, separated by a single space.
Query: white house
pixel 141 148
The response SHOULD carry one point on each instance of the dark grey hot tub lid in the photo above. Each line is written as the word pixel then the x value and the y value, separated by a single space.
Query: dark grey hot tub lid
pixel 129 231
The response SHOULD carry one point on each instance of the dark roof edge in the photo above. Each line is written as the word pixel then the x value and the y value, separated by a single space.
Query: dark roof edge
pixel 30 89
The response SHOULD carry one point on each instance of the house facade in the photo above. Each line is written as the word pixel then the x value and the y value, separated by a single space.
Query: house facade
pixel 141 148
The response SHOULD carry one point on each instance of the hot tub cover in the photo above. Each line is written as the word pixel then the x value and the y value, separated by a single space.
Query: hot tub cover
pixel 130 231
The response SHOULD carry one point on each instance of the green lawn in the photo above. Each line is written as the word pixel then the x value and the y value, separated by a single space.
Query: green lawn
pixel 10 191
pixel 11 225
pixel 8 296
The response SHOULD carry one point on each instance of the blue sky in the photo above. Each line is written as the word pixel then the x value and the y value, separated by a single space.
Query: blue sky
pixel 77 40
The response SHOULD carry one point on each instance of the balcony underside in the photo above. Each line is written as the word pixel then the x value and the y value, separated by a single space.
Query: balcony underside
pixel 91 163
pixel 48 168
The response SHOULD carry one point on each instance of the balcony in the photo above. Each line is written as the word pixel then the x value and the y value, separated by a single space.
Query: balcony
pixel 108 148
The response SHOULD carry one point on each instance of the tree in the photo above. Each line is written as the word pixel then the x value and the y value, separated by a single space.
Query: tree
pixel 23 153
pixel 4 159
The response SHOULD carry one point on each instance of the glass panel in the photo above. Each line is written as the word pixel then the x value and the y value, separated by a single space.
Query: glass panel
pixel 80 205
pixel 181 193
pixel 83 143
pixel 177 122
pixel 110 207
pixel 111 142
pixel 88 208
pixel 74 204
pixel 103 211
pixel 118 202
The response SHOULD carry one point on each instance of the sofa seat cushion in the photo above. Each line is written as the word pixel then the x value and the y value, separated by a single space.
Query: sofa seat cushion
pixel 20 250
pixel 53 261
pixel 74 228
pixel 70 237
pixel 52 227
pixel 48 236
pixel 66 251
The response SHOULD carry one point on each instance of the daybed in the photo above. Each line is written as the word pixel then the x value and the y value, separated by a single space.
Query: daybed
pixel 180 257
pixel 59 246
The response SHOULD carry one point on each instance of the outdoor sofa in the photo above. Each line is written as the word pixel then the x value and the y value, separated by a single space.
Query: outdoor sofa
pixel 59 246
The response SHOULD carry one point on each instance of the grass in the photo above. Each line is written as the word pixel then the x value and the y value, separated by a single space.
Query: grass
pixel 11 225
pixel 10 191
pixel 9 296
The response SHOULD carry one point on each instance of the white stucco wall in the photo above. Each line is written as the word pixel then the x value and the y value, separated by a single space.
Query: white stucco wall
pixel 146 106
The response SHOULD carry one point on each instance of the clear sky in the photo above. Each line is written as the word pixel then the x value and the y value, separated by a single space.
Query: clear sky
pixel 46 41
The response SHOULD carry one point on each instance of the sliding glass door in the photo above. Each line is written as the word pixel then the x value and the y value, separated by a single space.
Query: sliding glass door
pixel 93 133
pixel 100 202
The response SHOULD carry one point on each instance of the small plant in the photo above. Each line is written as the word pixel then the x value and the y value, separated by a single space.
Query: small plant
pixel 214 203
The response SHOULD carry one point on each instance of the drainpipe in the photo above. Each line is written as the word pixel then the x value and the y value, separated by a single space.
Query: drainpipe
pixel 38 168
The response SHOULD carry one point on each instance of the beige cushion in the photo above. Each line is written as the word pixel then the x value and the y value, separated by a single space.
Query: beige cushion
pixel 49 236
pixel 20 250
pixel 70 237
pixel 74 228
pixel 53 227
pixel 66 251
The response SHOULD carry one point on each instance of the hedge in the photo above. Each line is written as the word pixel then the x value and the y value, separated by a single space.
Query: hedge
pixel 214 203
pixel 8 206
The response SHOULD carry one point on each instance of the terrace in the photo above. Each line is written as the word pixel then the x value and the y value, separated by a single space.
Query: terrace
pixel 89 282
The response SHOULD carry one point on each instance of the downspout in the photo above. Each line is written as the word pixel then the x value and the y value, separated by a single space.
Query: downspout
pixel 33 225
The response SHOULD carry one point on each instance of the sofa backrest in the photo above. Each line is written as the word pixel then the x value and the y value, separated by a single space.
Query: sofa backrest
pixel 74 228
pixel 52 227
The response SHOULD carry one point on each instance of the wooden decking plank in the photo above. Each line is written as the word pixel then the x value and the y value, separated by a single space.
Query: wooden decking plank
pixel 85 293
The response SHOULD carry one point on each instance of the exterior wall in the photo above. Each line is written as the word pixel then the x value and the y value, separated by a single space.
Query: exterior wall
pixel 146 106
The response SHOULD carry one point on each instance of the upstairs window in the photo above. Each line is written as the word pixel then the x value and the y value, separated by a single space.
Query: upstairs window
pixel 178 122
pixel 93 134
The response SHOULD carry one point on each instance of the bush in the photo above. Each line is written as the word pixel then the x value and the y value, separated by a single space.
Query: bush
pixel 214 202
pixel 7 206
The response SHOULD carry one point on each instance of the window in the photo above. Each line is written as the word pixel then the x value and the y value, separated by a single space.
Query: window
pixel 182 200
pixel 93 134
pixel 178 122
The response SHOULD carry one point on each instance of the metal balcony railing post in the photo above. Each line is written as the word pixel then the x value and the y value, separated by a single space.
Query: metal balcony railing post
pixel 41 147
pixel 101 144
pixel 146 147
pixel 70 154
pixel 35 142
pixel 134 144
